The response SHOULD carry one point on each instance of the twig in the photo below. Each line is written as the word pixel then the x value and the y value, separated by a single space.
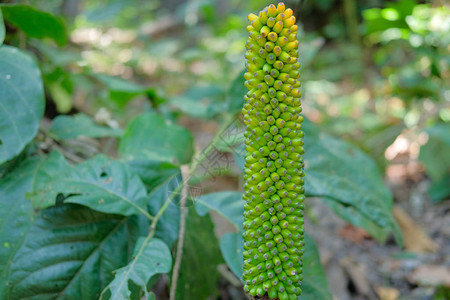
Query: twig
pixel 228 275
pixel 183 214
pixel 22 41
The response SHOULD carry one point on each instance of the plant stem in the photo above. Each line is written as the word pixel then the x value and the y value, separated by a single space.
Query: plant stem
pixel 185 173
pixel 351 20
pixel 183 214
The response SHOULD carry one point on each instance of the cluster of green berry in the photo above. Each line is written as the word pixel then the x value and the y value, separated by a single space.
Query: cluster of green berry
pixel 274 193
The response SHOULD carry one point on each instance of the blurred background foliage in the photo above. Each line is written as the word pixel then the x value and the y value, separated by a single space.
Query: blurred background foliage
pixel 374 72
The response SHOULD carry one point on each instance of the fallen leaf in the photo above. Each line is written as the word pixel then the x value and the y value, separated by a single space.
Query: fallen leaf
pixel 387 293
pixel 357 275
pixel 414 238
pixel 430 275
pixel 353 234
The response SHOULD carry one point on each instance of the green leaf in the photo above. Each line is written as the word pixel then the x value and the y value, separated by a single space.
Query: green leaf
pixel 2 29
pixel 232 248
pixel 351 215
pixel 435 156
pixel 70 252
pixel 100 183
pixel 435 153
pixel 200 101
pixel 315 284
pixel 440 190
pixel 151 256
pixel 70 127
pixel 236 93
pixel 153 173
pixel 22 101
pixel 341 172
pixel 200 246
pixel 35 23
pixel 60 96
pixel 120 90
pixel 227 204
pixel 168 226
pixel 16 214
pixel 50 168
pixel 150 137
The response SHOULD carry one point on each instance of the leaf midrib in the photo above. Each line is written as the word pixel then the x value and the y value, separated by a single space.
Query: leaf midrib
pixel 68 180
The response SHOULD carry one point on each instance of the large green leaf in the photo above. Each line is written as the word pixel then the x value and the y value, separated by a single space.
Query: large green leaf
pixel 151 137
pixel 200 246
pixel 315 284
pixel 70 127
pixel 100 183
pixel 152 172
pixel 169 223
pixel 230 206
pixel 21 101
pixel 2 29
pixel 35 23
pixel 70 252
pixel 50 168
pixel 151 256
pixel 232 248
pixel 351 215
pixel 341 172
pixel 16 214
pixel 227 204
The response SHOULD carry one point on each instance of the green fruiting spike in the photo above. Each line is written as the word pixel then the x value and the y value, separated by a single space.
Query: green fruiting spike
pixel 274 193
